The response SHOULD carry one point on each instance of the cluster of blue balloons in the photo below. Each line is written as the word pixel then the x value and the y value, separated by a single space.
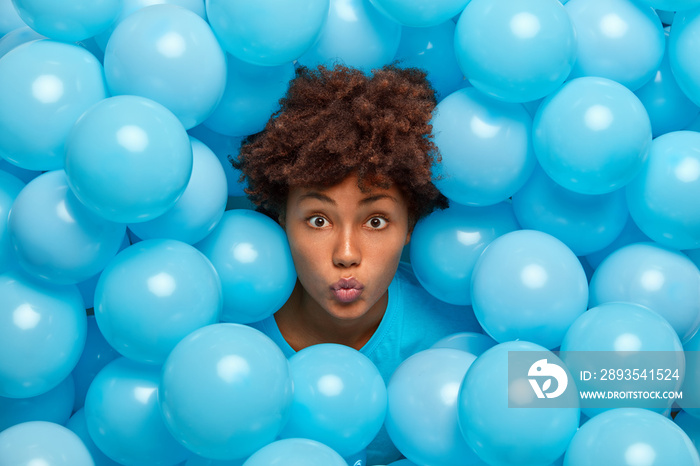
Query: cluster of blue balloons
pixel 569 141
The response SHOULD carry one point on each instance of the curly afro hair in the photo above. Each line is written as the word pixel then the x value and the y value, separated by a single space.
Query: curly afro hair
pixel 336 122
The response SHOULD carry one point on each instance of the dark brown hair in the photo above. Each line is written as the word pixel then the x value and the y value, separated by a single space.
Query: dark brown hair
pixel 336 122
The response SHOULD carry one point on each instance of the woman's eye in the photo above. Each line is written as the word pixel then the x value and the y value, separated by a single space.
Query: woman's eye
pixel 317 222
pixel 377 223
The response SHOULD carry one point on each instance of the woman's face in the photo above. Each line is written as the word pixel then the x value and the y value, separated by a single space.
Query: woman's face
pixel 346 244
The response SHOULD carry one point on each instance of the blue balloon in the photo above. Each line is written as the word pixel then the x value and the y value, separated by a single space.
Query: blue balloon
pixel 296 452
pixel 10 187
pixel 42 334
pixel 585 223
pixel 445 246
pixel 422 414
pixel 9 18
pixel 630 336
pixel 152 295
pixel 44 87
pixel 199 209
pixel 658 196
pixel 116 157
pixel 251 96
pixel 225 391
pixel 662 279
pixel 515 51
pixel 78 425
pixel 356 35
pixel 267 32
pixel 170 55
pixel 123 416
pixel 56 405
pixel 57 238
pixel 45 443
pixel 630 436
pixel 630 234
pixel 617 40
pixel 419 14
pixel 498 414
pixel 432 49
pixel 683 40
pixel 225 148
pixel 340 398
pixel 668 107
pixel 470 342
pixel 130 6
pixel 17 37
pixel 527 285
pixel 96 355
pixel 499 159
pixel 251 254
pixel 68 21
pixel 592 135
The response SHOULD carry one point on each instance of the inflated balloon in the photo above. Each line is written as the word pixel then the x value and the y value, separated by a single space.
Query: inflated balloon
pixel 592 135
pixel 267 32
pixel 10 187
pixel 340 398
pixel 445 246
pixel 130 6
pixel 124 419
pixel 116 159
pixel 624 332
pixel 497 413
pixel 224 147
pixel 485 146
pixel 40 442
pixel 527 285
pixel 56 405
pixel 419 14
pixel 662 279
pixel 630 436
pixel 617 39
pixel 296 452
pixel 68 21
pixel 251 255
pixel 78 425
pixel 422 416
pixel 585 223
pixel 356 35
pixel 658 197
pixel 199 209
pixel 57 238
pixel 668 107
pixel 9 18
pixel 18 37
pixel 42 334
pixel 670 5
pixel 515 51
pixel 630 234
pixel 44 87
pixel 96 355
pixel 474 343
pixel 432 49
pixel 152 295
pixel 683 40
pixel 170 55
pixel 225 391
pixel 251 96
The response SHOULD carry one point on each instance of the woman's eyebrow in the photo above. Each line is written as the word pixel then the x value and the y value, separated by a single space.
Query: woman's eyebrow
pixel 315 195
pixel 377 197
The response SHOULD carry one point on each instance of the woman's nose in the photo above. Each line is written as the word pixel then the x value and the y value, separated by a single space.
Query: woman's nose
pixel 347 250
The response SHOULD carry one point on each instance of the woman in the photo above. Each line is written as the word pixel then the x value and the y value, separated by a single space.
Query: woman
pixel 345 167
